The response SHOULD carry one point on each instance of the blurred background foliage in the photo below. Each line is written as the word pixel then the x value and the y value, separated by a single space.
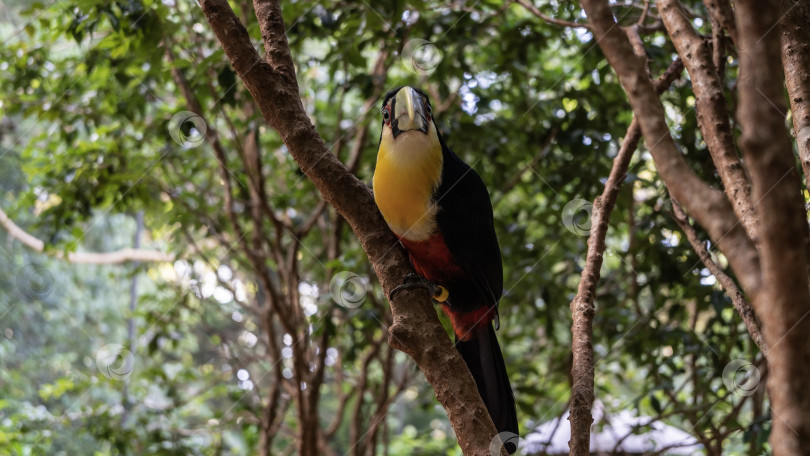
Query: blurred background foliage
pixel 88 91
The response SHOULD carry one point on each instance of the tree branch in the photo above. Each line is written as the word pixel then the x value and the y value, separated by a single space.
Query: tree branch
pixel 582 307
pixel 784 302
pixel 709 206
pixel 722 13
pixel 534 10
pixel 796 60
pixel 116 257
pixel 712 113
pixel 416 329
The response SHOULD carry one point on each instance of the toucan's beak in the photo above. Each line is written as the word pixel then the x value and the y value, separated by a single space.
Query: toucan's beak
pixel 409 112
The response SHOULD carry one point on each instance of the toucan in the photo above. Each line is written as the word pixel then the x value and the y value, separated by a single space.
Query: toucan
pixel 440 210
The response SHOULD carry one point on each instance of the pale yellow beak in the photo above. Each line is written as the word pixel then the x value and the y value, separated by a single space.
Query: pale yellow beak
pixel 409 111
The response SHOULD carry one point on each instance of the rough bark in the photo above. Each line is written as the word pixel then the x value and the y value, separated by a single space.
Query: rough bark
pixel 795 28
pixel 416 329
pixel 712 113
pixel 706 204
pixel 777 283
pixel 582 307
pixel 722 13
pixel 784 302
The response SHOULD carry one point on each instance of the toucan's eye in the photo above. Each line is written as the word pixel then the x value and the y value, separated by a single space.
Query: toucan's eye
pixel 386 115
pixel 429 111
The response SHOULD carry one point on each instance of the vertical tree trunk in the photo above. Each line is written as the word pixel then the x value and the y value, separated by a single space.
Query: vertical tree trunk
pixel 784 303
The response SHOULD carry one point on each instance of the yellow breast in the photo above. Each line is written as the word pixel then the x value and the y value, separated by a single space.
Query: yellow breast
pixel 408 172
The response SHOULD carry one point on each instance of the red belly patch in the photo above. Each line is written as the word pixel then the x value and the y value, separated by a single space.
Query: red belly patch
pixel 432 260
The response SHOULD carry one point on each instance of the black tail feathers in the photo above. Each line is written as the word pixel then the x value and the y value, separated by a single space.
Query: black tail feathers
pixel 485 361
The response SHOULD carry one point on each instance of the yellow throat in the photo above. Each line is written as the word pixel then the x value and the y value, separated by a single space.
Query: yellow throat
pixel 408 172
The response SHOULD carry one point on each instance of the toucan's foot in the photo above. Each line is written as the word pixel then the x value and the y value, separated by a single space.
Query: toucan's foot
pixel 411 281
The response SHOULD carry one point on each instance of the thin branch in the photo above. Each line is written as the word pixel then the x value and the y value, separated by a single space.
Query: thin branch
pixel 582 307
pixel 273 416
pixel 342 399
pixel 551 20
pixel 115 257
pixel 722 13
pixel 638 45
pixel 668 77
pixel 442 105
pixel 358 424
pixel 644 13
pixel 743 307
pixel 718 49
pixel 384 398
